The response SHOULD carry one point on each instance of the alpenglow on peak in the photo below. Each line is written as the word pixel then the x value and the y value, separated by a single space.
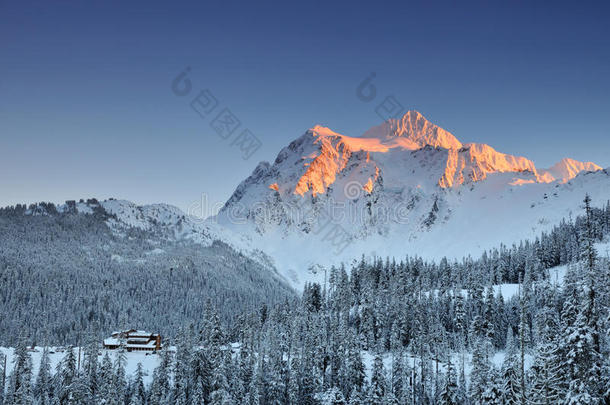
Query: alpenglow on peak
pixel 415 128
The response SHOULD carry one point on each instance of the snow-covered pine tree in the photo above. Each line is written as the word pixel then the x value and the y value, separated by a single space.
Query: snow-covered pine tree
pixel 481 370
pixel 138 390
pixel 42 388
pixel 221 392
pixel 20 389
pixel 492 390
pixel 462 391
pixel 510 376
pixel 182 368
pixel 448 395
pixel 201 373
pixel 397 382
pixel 294 383
pixel 90 367
pixel 160 392
pixel 489 327
pixel 67 375
pixel 255 389
pixel 582 335
pixel 356 398
pixel 276 383
pixel 524 295
pixel 120 380
pixel 332 396
pixel 354 368
pixel 105 393
pixel 378 382
pixel 547 371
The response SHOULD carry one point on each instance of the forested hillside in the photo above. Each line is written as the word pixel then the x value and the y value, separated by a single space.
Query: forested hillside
pixel 66 275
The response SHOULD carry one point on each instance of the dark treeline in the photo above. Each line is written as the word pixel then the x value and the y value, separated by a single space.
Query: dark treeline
pixel 428 334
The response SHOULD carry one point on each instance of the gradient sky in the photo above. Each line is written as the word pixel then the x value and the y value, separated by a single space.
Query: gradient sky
pixel 86 108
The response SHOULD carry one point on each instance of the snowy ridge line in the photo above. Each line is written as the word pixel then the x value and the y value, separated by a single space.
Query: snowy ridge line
pixel 164 220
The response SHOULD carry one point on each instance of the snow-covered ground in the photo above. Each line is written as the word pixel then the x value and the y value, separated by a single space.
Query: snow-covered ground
pixel 149 360
pixel 497 360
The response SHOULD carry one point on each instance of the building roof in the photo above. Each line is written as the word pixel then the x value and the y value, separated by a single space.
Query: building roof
pixel 133 332
pixel 112 342
pixel 133 339
pixel 147 345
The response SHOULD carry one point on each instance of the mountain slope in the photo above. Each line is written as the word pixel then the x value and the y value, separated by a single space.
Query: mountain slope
pixel 405 186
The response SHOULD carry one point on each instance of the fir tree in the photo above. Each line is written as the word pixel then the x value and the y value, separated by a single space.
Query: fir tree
pixel 138 395
pixel 42 389
pixel 511 382
pixel 448 395
pixel 481 370
pixel 378 382
pixel 492 390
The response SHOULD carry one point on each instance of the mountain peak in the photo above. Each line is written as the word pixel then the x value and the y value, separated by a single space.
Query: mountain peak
pixel 413 131
pixel 319 130
pixel 417 128
pixel 404 153
pixel 566 169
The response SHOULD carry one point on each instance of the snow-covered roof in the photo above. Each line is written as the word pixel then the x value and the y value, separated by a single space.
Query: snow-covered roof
pixel 133 332
pixel 147 345
pixel 111 342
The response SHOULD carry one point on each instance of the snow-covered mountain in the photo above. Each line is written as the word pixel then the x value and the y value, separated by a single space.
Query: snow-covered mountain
pixel 406 186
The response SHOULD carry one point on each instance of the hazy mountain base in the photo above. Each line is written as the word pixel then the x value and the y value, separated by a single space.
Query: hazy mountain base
pixel 65 275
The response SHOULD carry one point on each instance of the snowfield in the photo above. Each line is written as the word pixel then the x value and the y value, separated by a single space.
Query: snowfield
pixel 149 361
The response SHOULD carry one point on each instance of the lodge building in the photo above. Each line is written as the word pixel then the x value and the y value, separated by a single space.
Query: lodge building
pixel 134 340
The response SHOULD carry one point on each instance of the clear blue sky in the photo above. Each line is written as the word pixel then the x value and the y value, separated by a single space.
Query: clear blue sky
pixel 86 108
